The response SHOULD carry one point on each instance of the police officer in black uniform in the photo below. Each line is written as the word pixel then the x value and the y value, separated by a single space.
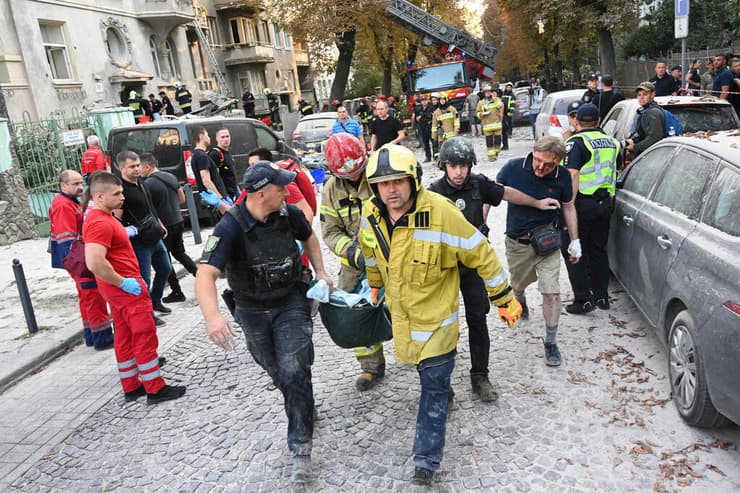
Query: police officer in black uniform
pixel 473 194
pixel 256 242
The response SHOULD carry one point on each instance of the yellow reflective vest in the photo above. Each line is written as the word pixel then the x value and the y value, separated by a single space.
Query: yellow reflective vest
pixel 421 276
pixel 445 123
pixel 601 170
pixel 491 114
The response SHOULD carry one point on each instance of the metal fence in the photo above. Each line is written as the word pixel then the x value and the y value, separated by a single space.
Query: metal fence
pixel 44 148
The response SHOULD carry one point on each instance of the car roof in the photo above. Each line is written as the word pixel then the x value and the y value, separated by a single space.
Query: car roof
pixel 725 144
pixel 189 121
pixel 320 116
pixel 570 93
pixel 668 101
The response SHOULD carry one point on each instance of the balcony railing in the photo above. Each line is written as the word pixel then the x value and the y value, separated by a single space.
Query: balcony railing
pixel 240 54
pixel 165 10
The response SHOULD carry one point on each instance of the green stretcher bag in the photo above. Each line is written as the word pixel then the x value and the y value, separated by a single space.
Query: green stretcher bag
pixel 357 326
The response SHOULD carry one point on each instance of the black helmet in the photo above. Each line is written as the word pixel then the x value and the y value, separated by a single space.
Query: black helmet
pixel 457 150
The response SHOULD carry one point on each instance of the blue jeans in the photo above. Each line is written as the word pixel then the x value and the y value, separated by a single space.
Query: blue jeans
pixel 431 421
pixel 154 256
pixel 279 340
pixel 532 120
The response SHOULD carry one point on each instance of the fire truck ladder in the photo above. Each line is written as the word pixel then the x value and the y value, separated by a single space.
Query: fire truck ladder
pixel 223 88
pixel 435 29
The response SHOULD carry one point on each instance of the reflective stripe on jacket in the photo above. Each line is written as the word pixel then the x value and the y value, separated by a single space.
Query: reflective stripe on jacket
pixel 601 170
pixel 421 275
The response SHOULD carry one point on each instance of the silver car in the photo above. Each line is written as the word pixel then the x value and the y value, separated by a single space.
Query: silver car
pixel 310 136
pixel 553 115
pixel 675 247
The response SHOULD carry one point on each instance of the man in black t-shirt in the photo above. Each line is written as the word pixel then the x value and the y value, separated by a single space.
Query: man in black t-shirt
pixel 223 159
pixel 204 169
pixel 384 129
pixel 167 195
pixel 665 84
pixel 136 207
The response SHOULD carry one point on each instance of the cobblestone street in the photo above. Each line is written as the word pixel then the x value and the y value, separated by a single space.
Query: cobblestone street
pixel 603 421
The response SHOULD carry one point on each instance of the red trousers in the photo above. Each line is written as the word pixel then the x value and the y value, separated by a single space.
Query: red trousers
pixel 94 312
pixel 135 338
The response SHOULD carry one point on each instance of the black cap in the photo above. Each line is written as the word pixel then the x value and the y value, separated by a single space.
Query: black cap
pixel 593 77
pixel 677 67
pixel 262 173
pixel 588 113
pixel 573 107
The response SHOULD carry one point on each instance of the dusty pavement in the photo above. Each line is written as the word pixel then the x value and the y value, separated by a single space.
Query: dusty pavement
pixel 602 421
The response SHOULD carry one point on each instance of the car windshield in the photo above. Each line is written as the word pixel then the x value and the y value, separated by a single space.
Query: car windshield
pixel 561 105
pixel 704 117
pixel 164 143
pixel 315 124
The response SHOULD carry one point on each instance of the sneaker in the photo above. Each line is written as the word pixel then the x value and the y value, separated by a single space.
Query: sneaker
pixel 301 473
pixel 167 393
pixel 134 394
pixel 552 354
pixel 162 361
pixel 162 309
pixel 158 321
pixel 580 307
pixel 483 387
pixel 602 304
pixel 525 311
pixel 174 297
pixel 422 477
pixel 104 347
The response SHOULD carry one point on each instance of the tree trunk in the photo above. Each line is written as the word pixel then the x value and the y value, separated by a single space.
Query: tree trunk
pixel 387 76
pixel 346 45
pixel 606 49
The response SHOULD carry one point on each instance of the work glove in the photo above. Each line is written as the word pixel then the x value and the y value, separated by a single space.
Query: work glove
pixel 228 201
pixel 510 312
pixel 132 231
pixel 131 286
pixel 355 257
pixel 374 293
pixel 210 198
pixel 574 249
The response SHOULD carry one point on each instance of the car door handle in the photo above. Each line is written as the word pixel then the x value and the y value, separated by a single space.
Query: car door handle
pixel 664 242
pixel 628 220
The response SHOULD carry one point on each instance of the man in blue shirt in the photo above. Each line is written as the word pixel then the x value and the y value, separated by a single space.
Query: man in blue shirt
pixel 722 81
pixel 539 175
pixel 347 125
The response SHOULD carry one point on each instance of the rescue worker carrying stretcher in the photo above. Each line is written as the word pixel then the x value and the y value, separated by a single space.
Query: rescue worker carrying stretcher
pixel 341 207
pixel 413 241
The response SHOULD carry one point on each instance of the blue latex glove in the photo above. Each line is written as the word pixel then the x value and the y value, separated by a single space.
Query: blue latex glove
pixel 210 198
pixel 228 201
pixel 131 231
pixel 131 286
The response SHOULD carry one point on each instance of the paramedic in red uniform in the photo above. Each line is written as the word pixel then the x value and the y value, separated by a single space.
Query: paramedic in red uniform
pixel 65 216
pixel 93 158
pixel 110 256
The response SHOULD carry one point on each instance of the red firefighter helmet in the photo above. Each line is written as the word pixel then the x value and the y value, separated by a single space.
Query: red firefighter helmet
pixel 363 100
pixel 382 97
pixel 335 103
pixel 345 156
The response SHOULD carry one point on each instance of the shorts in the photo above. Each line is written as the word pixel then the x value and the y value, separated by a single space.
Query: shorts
pixel 526 267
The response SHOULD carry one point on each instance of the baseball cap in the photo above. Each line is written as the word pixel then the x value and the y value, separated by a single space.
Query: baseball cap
pixel 677 67
pixel 593 77
pixel 588 113
pixel 262 173
pixel 573 107
pixel 645 86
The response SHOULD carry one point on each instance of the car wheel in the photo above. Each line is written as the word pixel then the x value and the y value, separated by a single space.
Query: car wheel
pixel 687 376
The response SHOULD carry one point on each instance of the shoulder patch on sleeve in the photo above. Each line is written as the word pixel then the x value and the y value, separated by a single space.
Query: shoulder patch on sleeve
pixel 211 244
pixel 569 146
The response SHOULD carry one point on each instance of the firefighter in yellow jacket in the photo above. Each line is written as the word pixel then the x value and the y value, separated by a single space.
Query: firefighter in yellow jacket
pixel 445 123
pixel 341 206
pixel 490 111
pixel 412 241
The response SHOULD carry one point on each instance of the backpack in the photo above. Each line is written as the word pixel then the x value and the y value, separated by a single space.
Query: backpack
pixel 671 125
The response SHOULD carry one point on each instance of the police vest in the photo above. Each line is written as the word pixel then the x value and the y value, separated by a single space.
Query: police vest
pixel 272 265
pixel 467 200
pixel 601 170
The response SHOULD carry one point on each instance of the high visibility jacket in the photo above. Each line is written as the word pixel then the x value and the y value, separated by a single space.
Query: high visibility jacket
pixel 601 170
pixel 420 272
pixel 341 208
pixel 490 113
pixel 445 123
pixel 184 98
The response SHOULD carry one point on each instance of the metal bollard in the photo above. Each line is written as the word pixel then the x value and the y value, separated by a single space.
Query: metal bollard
pixel 20 280
pixel 193 211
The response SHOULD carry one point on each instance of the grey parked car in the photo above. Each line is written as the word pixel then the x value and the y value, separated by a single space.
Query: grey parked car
pixel 675 247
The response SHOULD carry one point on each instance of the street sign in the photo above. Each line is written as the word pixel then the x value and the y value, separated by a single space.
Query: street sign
pixel 681 8
pixel 681 23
